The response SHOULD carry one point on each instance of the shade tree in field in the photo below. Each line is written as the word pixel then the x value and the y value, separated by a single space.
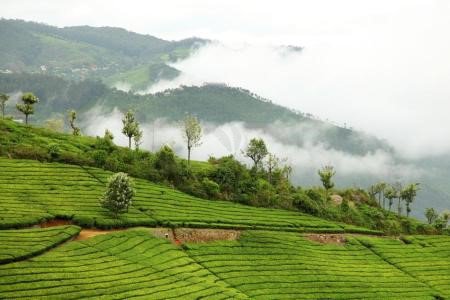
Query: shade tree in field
pixel 431 215
pixel 118 195
pixel 130 126
pixel 272 163
pixel 192 134
pixel 390 193
pixel 408 194
pixel 72 115
pixel 256 151
pixel 326 177
pixel 27 105
pixel 3 99
pixel 138 139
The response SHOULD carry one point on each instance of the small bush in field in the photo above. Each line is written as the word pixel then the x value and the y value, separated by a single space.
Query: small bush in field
pixel 119 194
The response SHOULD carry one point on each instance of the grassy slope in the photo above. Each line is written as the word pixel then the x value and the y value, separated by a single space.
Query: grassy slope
pixel 261 265
pixel 34 191
pixel 19 245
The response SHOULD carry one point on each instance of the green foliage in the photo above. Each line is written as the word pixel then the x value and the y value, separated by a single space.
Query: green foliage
pixel 211 188
pixel 119 194
pixel 3 99
pixel 326 175
pixel 27 107
pixel 54 151
pixel 192 133
pixel 72 117
pixel 131 127
pixel 408 194
pixel 256 151
pixel 431 215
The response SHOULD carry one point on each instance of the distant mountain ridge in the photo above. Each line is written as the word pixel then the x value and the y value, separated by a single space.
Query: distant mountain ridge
pixel 81 52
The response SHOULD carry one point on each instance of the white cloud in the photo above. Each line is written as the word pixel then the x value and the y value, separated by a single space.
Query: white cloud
pixel 381 66
pixel 233 137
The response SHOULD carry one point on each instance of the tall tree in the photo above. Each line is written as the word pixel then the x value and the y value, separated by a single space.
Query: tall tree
pixel 408 194
pixel 272 163
pixel 3 99
pixel 390 193
pixel 192 134
pixel 138 139
pixel 380 189
pixel 256 151
pixel 431 215
pixel 130 126
pixel 398 194
pixel 326 176
pixel 27 107
pixel 72 117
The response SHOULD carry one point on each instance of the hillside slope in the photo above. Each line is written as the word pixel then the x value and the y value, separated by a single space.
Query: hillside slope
pixel 33 192
pixel 217 104
pixel 85 52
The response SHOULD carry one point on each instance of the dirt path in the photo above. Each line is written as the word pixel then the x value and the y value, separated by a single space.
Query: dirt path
pixel 90 233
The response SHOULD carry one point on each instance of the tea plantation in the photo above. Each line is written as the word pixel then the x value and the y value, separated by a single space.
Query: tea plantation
pixel 133 264
pixel 18 245
pixel 271 259
pixel 32 191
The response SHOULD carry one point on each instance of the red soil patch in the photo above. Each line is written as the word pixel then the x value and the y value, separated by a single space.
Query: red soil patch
pixel 335 239
pixel 196 235
pixel 54 222
pixel 90 233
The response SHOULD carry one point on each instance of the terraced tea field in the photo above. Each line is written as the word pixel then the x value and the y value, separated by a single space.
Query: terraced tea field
pixel 426 258
pixel 32 192
pixel 18 245
pixel 134 264
pixel 121 265
pixel 275 265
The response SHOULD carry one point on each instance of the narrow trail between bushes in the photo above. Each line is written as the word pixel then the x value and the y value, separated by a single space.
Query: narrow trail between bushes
pixel 184 235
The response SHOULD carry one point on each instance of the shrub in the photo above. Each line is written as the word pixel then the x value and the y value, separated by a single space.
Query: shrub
pixel 54 151
pixel 210 187
pixel 119 194
pixel 305 204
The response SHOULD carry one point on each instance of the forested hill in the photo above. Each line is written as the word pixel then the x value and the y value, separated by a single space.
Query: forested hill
pixel 85 52
pixel 213 103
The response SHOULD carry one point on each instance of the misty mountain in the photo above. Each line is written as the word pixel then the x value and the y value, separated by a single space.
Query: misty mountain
pixel 75 68
pixel 213 103
pixel 81 52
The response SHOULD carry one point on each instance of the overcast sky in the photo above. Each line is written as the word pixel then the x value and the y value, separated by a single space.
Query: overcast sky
pixel 381 66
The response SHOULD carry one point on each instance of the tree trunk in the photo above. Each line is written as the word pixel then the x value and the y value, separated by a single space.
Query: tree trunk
pixel 26 119
pixel 189 156
pixel 399 207
pixel 384 202
pixel 129 142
